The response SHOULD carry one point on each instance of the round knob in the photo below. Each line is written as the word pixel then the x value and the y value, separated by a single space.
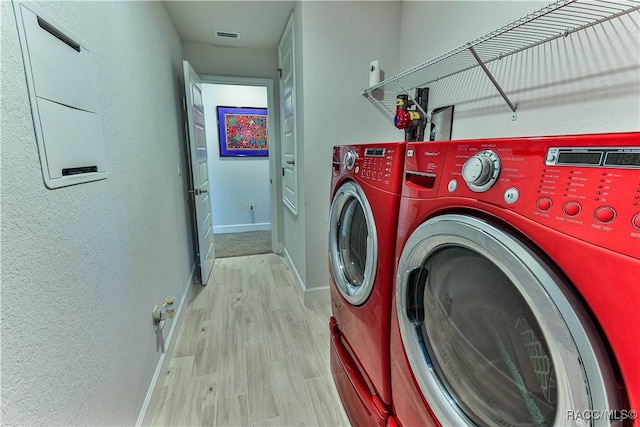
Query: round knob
pixel 477 170
pixel 636 221
pixel 481 171
pixel 350 159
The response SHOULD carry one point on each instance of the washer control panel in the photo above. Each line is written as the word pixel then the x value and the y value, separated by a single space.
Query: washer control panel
pixel 611 157
pixel 481 170
pixel 424 169
pixel 586 186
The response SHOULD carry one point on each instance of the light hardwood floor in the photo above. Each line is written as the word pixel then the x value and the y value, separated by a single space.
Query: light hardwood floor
pixel 249 353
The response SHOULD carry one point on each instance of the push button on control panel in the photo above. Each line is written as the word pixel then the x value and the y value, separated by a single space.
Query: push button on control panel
pixel 636 221
pixel 605 214
pixel 452 186
pixel 544 204
pixel 571 208
pixel 511 195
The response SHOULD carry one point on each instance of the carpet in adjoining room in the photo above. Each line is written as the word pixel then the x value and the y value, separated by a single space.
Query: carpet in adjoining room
pixel 241 244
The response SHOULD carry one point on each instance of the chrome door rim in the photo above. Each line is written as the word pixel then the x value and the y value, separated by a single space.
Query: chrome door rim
pixel 574 337
pixel 356 295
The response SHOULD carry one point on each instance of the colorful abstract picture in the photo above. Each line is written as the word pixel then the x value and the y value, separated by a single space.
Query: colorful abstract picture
pixel 242 131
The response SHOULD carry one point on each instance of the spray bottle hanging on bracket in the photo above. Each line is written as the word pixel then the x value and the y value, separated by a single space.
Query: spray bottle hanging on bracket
pixel 409 117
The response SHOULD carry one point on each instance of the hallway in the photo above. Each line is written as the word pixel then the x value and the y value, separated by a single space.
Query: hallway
pixel 249 353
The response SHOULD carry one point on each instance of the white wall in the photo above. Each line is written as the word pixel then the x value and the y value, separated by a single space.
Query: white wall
pixel 336 43
pixel 83 266
pixel 236 181
pixel 588 82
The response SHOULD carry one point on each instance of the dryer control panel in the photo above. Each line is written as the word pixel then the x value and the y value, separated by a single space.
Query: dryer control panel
pixel 586 186
pixel 376 164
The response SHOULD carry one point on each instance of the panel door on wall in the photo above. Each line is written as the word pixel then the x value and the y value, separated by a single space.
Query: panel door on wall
pixel 288 114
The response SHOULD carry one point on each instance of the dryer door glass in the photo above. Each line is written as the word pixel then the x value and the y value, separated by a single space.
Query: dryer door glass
pixel 485 343
pixel 353 242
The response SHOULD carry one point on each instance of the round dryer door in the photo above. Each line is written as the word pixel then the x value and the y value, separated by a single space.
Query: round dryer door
pixel 491 333
pixel 353 245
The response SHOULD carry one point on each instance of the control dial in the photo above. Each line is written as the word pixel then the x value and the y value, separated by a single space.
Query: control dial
pixel 481 171
pixel 349 159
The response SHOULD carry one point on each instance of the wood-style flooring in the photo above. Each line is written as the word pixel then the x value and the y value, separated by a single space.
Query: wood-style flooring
pixel 249 353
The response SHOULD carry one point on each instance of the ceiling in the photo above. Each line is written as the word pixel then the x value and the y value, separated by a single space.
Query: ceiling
pixel 260 23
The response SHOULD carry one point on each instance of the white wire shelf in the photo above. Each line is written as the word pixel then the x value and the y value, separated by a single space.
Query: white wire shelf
pixel 558 19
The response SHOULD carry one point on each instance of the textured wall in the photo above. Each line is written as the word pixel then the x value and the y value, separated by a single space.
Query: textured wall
pixel 82 266
pixel 236 181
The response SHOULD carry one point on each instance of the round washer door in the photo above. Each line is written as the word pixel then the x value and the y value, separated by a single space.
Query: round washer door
pixel 353 243
pixel 492 335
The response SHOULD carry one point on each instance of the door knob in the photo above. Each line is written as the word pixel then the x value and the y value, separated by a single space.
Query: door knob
pixel 198 191
pixel 291 162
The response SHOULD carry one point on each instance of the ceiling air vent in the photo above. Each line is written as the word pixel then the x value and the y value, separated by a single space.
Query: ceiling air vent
pixel 227 34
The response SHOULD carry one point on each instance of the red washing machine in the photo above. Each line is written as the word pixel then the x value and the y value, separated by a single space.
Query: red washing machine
pixel 518 283
pixel 365 192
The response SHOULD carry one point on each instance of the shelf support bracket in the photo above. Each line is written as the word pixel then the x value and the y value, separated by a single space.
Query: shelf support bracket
pixel 389 114
pixel 493 80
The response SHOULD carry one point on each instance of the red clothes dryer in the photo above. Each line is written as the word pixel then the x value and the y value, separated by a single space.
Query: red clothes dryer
pixel 365 195
pixel 518 283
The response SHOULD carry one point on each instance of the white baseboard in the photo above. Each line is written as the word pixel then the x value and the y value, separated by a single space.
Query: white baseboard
pixel 320 294
pixel 317 295
pixel 151 399
pixel 296 276
pixel 241 228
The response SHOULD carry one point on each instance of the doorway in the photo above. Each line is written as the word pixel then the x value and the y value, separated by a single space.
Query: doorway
pixel 243 199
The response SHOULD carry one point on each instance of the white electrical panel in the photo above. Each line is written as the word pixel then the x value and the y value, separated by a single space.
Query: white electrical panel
pixel 63 99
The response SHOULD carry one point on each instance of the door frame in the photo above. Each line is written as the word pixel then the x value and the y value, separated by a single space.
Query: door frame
pixel 274 146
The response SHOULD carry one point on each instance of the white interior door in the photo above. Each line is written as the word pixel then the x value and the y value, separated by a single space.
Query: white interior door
pixel 288 118
pixel 199 170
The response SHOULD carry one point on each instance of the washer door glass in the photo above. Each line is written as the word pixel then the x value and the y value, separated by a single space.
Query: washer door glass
pixel 485 343
pixel 492 334
pixel 353 247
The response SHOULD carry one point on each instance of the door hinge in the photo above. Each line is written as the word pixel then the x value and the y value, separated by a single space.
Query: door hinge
pixel 279 73
pixel 282 171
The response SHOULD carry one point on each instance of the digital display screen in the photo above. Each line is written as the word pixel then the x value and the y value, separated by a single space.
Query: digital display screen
pixel 374 152
pixel 623 159
pixel 580 158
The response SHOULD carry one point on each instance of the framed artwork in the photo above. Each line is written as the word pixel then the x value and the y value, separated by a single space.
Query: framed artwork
pixel 242 132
